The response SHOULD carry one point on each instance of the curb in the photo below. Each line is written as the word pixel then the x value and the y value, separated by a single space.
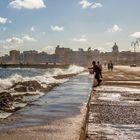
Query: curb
pixel 86 117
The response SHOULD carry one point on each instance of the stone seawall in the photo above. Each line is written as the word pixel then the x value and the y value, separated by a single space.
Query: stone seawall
pixel 41 66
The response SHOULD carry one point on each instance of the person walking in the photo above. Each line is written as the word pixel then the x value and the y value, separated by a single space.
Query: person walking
pixel 110 66
pixel 96 72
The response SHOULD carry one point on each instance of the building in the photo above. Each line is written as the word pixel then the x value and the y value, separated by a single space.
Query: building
pixel 68 56
pixel 115 53
pixel 44 57
pixel 80 57
pixel 15 56
pixel 115 48
pixel 28 57
pixel 61 54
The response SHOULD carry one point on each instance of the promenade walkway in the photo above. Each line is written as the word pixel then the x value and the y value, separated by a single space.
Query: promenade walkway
pixel 115 107
pixel 58 115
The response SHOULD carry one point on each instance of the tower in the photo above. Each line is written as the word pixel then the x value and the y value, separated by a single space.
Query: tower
pixel 115 53
pixel 115 48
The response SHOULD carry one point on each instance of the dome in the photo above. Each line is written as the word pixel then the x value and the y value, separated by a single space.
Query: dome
pixel 115 48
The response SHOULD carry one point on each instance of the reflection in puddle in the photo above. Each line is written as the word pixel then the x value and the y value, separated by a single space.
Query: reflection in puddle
pixel 121 94
pixel 110 97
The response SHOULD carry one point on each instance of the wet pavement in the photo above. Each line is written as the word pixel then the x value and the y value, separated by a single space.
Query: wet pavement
pixel 57 115
pixel 115 108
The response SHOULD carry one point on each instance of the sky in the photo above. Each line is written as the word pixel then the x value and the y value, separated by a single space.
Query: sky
pixel 43 24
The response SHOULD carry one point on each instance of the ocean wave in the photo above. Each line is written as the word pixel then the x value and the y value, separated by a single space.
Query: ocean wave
pixel 44 79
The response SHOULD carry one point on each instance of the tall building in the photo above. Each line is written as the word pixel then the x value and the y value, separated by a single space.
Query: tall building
pixel 29 57
pixel 115 53
pixel 61 54
pixel 15 56
pixel 80 57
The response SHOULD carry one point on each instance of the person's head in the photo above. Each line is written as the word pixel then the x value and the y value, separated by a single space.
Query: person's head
pixel 98 62
pixel 93 62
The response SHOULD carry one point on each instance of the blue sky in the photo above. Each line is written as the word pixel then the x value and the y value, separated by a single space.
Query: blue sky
pixel 43 24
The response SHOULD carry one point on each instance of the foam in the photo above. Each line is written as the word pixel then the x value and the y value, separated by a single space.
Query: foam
pixel 46 78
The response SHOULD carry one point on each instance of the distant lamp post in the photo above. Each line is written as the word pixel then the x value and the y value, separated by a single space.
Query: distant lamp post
pixel 135 44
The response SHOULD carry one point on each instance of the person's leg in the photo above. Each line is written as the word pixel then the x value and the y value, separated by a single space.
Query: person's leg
pixel 101 75
pixel 97 76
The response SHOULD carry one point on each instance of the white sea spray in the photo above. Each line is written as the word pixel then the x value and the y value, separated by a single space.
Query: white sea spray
pixel 44 79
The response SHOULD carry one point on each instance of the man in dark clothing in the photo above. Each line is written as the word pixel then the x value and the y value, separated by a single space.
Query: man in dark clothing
pixel 110 66
pixel 100 66
pixel 96 71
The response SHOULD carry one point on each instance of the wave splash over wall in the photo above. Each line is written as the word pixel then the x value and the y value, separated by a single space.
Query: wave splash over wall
pixel 44 77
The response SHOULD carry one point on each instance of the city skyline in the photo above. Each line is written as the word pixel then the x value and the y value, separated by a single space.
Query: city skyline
pixel 43 24
pixel 67 56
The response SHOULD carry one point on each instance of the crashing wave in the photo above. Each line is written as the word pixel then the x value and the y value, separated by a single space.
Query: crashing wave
pixel 44 79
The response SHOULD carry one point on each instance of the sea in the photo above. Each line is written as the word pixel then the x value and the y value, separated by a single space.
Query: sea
pixel 10 76
pixel 45 77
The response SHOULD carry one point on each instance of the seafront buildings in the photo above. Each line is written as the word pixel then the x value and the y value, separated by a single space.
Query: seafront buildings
pixel 27 57
pixel 68 56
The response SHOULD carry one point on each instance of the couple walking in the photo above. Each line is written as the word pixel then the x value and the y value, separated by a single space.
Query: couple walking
pixel 97 70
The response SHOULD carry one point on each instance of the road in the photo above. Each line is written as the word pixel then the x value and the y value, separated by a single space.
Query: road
pixel 115 106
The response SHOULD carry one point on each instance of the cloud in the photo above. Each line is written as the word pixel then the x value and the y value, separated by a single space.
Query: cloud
pixel 135 35
pixel 28 4
pixel 86 4
pixel 12 42
pixel 115 28
pixel 83 38
pixel 57 28
pixel 49 49
pixel 3 20
pixel 97 5
pixel 32 29
pixel 28 38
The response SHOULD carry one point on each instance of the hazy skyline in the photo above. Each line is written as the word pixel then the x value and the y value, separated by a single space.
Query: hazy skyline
pixel 43 24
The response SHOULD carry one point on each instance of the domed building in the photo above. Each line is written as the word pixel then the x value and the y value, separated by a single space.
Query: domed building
pixel 115 48
pixel 115 53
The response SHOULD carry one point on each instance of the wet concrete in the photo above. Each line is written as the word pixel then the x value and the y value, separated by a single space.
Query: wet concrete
pixel 115 108
pixel 56 115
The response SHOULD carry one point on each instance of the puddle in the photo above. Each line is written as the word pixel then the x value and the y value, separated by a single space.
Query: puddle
pixel 114 132
pixel 118 89
pixel 110 97
pixel 124 82
pixel 123 95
